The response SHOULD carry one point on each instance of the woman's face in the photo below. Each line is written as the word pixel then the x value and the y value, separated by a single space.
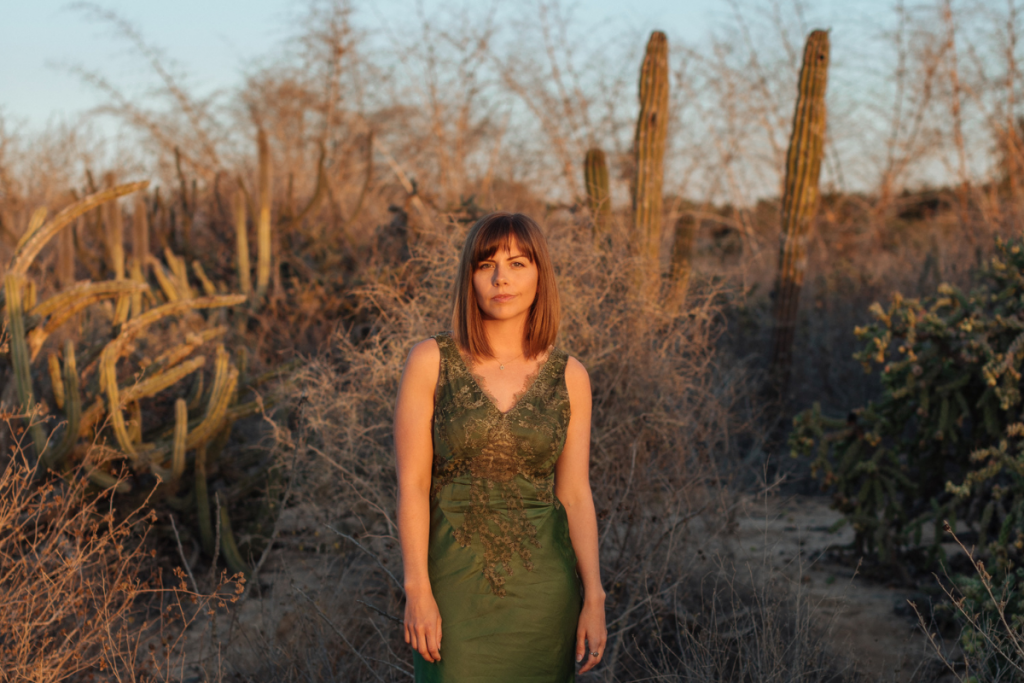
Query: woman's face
pixel 505 285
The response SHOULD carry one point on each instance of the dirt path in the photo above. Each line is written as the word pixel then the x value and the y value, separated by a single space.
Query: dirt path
pixel 866 618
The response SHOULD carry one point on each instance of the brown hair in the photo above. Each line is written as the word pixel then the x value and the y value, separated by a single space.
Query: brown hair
pixel 494 231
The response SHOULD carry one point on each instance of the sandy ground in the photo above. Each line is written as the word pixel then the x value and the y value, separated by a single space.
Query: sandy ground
pixel 788 538
pixel 868 619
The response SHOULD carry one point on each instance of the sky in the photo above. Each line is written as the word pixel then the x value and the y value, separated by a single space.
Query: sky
pixel 215 41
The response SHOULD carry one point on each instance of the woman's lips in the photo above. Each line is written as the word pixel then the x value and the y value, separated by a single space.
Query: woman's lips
pixel 502 298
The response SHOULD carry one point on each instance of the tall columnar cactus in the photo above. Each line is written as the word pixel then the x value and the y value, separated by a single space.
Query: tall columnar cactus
pixel 649 147
pixel 242 244
pixel 263 240
pixel 595 175
pixel 682 257
pixel 800 198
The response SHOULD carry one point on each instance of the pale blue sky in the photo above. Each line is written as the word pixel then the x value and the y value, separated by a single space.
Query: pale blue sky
pixel 214 41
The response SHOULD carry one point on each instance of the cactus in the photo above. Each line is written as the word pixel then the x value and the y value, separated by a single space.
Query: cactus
pixel 242 244
pixel 682 255
pixel 56 380
pixel 263 237
pixel 72 409
pixel 800 198
pixel 203 502
pixel 649 148
pixel 114 349
pixel 228 547
pixel 951 366
pixel 24 256
pixel 140 232
pixel 66 255
pixel 595 174
pixel 13 284
pixel 180 434
pixel 34 223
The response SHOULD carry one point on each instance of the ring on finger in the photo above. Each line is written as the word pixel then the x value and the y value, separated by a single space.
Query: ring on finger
pixel 594 654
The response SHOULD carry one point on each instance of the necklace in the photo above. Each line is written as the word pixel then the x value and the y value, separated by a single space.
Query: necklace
pixel 501 365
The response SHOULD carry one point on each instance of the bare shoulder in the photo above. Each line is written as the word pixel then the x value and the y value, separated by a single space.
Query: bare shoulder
pixel 577 379
pixel 425 352
pixel 424 360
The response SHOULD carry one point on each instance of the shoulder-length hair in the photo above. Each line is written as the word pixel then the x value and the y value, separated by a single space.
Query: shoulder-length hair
pixel 490 233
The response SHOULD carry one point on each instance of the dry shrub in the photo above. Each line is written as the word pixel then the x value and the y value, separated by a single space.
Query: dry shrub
pixel 667 418
pixel 80 593
pixel 717 627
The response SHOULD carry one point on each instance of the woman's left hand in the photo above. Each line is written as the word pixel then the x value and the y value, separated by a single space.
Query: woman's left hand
pixel 591 633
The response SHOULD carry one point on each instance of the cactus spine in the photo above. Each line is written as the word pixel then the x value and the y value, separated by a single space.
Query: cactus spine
pixel 595 176
pixel 263 244
pixel 242 245
pixel 800 198
pixel 649 148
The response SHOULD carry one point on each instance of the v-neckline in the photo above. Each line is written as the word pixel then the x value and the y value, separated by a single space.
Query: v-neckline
pixel 527 388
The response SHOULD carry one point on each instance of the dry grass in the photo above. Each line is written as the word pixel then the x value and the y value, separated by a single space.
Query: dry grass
pixel 81 597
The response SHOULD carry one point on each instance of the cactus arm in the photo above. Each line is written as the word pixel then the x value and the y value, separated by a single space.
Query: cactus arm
pixel 56 380
pixel 176 354
pixel 24 257
pixel 800 197
pixel 137 298
pixel 112 351
pixel 263 227
pixel 170 290
pixel 62 307
pixel 242 244
pixel 208 287
pixel 72 409
pixel 203 503
pixel 34 223
pixel 180 434
pixel 84 294
pixel 20 356
pixel 157 383
pixel 228 547
pixel 649 149
pixel 140 231
pixel 180 272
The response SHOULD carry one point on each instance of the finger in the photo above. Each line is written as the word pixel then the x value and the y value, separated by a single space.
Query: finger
pixel 421 644
pixel 433 646
pixel 438 633
pixel 580 638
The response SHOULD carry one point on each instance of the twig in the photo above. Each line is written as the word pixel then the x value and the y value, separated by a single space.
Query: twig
pixel 380 612
pixel 365 550
pixel 340 634
pixel 181 553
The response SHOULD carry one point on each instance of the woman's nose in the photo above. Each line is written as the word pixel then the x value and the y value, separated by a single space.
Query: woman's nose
pixel 500 275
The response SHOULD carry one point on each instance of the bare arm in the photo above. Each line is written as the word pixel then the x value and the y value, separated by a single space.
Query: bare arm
pixel 414 453
pixel 572 486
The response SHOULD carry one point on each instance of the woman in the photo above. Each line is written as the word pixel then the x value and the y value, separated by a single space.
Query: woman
pixel 495 513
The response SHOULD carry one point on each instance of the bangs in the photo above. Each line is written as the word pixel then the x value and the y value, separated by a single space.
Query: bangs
pixel 500 234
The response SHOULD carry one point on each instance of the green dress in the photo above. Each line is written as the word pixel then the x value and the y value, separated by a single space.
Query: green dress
pixel 501 564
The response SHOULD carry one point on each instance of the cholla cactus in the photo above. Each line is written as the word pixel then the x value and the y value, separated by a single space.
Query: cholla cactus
pixel 950 369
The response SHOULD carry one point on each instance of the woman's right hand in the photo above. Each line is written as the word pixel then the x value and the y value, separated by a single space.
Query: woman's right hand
pixel 423 624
